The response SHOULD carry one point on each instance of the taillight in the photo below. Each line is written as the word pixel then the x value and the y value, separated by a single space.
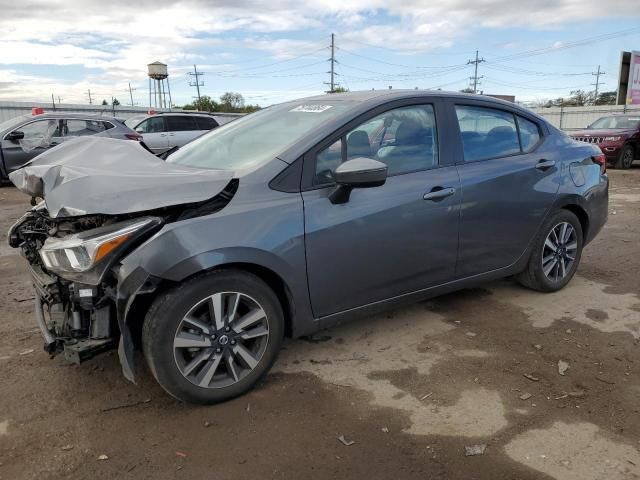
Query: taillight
pixel 602 161
pixel 133 136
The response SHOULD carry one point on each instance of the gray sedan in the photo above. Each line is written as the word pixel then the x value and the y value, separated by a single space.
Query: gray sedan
pixel 23 138
pixel 292 219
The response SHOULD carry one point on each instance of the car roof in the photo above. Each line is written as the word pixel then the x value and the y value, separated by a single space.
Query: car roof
pixel 84 116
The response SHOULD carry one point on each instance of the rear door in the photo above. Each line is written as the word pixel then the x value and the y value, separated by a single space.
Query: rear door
pixel 39 136
pixel 385 241
pixel 508 180
pixel 154 134
pixel 182 129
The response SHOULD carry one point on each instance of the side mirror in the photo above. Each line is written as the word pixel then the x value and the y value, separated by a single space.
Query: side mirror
pixel 360 172
pixel 139 130
pixel 15 136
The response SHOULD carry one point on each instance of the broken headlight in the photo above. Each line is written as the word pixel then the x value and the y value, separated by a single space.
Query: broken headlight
pixel 85 256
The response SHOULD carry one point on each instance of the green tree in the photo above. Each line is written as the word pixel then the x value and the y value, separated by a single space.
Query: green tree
pixel 115 102
pixel 204 104
pixel 339 90
pixel 607 98
pixel 467 90
pixel 104 102
pixel 231 102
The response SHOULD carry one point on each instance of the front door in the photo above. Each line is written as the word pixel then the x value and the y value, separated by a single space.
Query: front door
pixel 154 134
pixel 508 183
pixel 385 241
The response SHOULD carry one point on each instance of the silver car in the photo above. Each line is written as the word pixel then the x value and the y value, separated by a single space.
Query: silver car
pixel 25 137
pixel 163 131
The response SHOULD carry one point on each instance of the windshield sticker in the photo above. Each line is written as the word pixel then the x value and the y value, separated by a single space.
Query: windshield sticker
pixel 311 108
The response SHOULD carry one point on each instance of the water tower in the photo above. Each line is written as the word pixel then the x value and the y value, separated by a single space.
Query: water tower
pixel 158 88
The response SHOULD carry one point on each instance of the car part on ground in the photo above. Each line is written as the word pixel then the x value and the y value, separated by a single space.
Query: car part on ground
pixel 302 215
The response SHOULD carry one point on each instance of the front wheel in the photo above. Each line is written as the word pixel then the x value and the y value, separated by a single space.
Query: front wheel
pixel 626 157
pixel 213 337
pixel 556 253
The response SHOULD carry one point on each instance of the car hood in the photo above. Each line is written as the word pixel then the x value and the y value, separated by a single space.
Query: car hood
pixel 95 175
pixel 601 132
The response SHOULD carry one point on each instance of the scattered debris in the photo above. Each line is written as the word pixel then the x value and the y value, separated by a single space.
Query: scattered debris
pixel 26 352
pixel 569 330
pixel 426 396
pixel 180 454
pixel 103 457
pixel 248 407
pixel 537 347
pixel 316 338
pixel 473 450
pixel 604 380
pixel 66 448
pixel 525 396
pixel 470 334
pixel 385 429
pixel 528 376
pixel 562 367
pixel 207 424
pixel 345 442
pixel 126 405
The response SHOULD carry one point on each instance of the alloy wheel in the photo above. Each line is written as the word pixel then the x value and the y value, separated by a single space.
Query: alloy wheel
pixel 559 251
pixel 627 159
pixel 221 339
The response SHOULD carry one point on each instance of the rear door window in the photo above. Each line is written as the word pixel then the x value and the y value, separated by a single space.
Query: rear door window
pixel 487 132
pixel 206 123
pixel 79 128
pixel 181 123
pixel 529 134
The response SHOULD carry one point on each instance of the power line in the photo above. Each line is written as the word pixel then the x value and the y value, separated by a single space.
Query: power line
pixel 475 77
pixel 597 84
pixel 197 82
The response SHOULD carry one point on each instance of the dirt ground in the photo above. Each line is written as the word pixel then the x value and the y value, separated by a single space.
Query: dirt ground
pixel 412 388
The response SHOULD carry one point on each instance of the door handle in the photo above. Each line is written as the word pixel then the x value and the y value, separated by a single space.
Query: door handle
pixel 172 134
pixel 163 134
pixel 545 164
pixel 438 193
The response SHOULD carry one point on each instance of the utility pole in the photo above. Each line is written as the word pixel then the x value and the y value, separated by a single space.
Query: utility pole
pixel 597 84
pixel 54 102
pixel 332 61
pixel 197 83
pixel 90 99
pixel 131 94
pixel 475 77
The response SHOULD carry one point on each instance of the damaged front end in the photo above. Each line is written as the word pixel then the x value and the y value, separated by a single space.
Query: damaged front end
pixel 70 261
pixel 94 214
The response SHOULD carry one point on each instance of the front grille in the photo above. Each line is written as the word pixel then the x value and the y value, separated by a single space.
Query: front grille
pixel 596 140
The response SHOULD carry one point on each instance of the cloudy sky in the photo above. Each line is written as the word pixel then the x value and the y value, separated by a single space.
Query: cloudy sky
pixel 278 49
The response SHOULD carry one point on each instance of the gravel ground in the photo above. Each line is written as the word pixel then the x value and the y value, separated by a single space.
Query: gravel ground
pixel 412 388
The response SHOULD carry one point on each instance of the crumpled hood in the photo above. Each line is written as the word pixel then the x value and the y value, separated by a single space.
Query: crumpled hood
pixel 92 175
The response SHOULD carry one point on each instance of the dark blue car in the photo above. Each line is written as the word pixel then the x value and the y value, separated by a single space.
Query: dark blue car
pixel 293 218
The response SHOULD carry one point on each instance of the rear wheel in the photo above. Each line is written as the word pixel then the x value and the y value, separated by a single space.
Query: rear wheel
pixel 556 253
pixel 214 337
pixel 625 160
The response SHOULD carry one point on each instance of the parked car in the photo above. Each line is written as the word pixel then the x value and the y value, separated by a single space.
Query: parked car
pixel 163 131
pixel 618 136
pixel 294 218
pixel 27 136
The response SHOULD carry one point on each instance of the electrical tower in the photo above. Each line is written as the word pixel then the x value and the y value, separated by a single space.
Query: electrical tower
pixel 90 99
pixel 475 77
pixel 332 61
pixel 597 84
pixel 197 82
pixel 131 90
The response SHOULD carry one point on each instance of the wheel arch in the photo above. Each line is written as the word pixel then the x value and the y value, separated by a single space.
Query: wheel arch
pixel 581 213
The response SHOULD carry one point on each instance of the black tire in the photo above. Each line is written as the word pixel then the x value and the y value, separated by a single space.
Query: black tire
pixel 165 317
pixel 625 160
pixel 534 276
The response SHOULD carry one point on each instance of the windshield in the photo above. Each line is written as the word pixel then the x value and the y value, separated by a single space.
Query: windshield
pixel 616 122
pixel 257 137
pixel 13 122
